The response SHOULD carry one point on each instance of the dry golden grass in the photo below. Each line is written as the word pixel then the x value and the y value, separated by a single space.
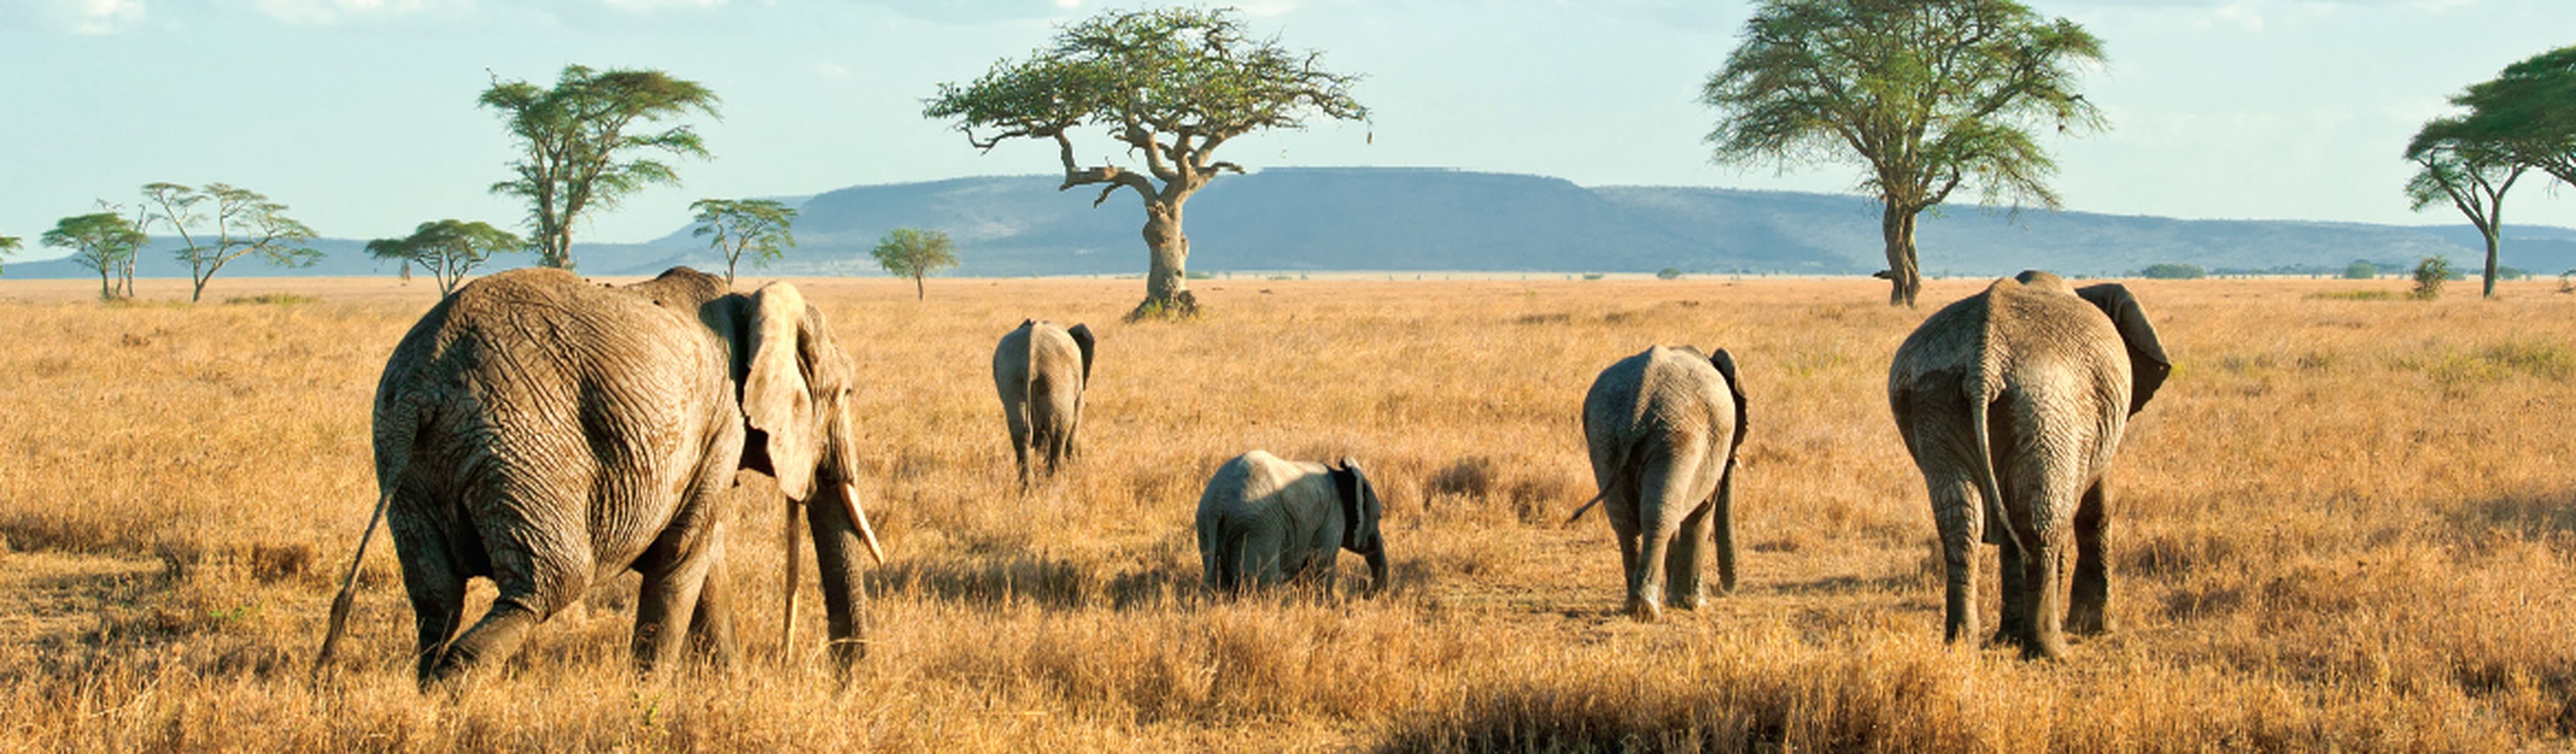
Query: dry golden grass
pixel 2345 524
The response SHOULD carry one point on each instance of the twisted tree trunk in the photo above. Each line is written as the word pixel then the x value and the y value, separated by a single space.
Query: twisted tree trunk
pixel 1904 275
pixel 1167 289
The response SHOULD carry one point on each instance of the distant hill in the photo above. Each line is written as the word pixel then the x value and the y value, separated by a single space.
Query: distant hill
pixel 1431 219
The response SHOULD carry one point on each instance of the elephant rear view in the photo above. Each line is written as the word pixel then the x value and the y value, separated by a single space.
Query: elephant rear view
pixel 1664 428
pixel 2012 403
pixel 548 433
pixel 1264 521
pixel 1041 371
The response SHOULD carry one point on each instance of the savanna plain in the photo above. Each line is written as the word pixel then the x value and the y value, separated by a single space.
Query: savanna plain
pixel 2344 524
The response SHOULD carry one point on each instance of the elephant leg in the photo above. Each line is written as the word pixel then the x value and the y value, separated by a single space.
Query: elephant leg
pixel 1662 501
pixel 840 555
pixel 667 604
pixel 2012 624
pixel 2088 611
pixel 713 627
pixel 436 587
pixel 1621 509
pixel 498 635
pixel 538 573
pixel 1956 510
pixel 2046 635
pixel 1682 584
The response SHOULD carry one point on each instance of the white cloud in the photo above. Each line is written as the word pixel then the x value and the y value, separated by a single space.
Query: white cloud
pixel 327 12
pixel 92 16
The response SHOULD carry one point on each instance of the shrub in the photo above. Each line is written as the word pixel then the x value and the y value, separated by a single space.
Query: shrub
pixel 2173 271
pixel 2360 270
pixel 1668 273
pixel 1592 276
pixel 2430 273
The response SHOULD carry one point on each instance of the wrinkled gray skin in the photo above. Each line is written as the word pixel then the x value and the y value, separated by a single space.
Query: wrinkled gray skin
pixel 2012 403
pixel 547 433
pixel 1664 427
pixel 1264 521
pixel 1041 370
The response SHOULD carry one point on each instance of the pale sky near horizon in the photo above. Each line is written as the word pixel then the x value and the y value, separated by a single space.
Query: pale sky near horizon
pixel 360 114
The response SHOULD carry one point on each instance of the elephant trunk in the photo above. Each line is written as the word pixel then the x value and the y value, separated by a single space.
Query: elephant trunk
pixel 1377 568
pixel 842 548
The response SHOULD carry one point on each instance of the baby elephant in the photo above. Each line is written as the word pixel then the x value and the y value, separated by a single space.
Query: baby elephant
pixel 1264 520
pixel 1041 370
pixel 1664 428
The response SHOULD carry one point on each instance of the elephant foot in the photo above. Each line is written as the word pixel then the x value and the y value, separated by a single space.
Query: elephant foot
pixel 2044 650
pixel 1691 601
pixel 1644 610
pixel 2087 622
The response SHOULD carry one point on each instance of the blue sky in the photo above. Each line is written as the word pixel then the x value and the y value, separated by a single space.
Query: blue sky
pixel 360 114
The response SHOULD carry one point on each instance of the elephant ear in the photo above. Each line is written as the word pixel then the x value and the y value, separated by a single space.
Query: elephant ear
pixel 2148 365
pixel 1082 338
pixel 1346 487
pixel 776 398
pixel 1725 363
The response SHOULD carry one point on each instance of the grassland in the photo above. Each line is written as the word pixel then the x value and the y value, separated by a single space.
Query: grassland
pixel 2344 524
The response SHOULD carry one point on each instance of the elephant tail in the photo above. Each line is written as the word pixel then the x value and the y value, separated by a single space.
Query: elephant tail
pixel 1587 507
pixel 1982 392
pixel 399 425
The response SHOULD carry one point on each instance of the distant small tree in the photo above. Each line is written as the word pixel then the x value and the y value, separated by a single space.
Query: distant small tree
pixel 760 227
pixel 576 152
pixel 244 223
pixel 2360 270
pixel 1669 273
pixel 915 253
pixel 447 248
pixel 8 245
pixel 2430 272
pixel 2173 271
pixel 101 241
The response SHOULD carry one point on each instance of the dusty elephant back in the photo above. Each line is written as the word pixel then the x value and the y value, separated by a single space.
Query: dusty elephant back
pixel 1259 501
pixel 1674 395
pixel 538 378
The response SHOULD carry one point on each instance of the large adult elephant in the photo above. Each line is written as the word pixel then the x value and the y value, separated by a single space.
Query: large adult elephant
pixel 1041 371
pixel 1664 427
pixel 2012 403
pixel 1264 521
pixel 547 433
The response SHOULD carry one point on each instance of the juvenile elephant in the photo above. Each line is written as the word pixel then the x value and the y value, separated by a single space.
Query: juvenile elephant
pixel 547 433
pixel 1264 520
pixel 1041 370
pixel 2012 403
pixel 1664 428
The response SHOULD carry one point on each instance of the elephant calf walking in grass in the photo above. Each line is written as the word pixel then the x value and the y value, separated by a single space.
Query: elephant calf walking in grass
pixel 548 433
pixel 1664 428
pixel 1041 371
pixel 2012 403
pixel 1264 521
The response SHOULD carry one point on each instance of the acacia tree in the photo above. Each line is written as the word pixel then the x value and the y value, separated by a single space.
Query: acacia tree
pixel 1932 95
pixel 244 223
pixel 759 227
pixel 447 249
pixel 1174 84
pixel 576 154
pixel 2529 112
pixel 914 253
pixel 8 245
pixel 101 241
pixel 2471 174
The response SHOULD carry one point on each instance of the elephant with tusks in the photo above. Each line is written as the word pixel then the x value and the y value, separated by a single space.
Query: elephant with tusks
pixel 548 433
pixel 2013 402
pixel 1264 521
pixel 1664 428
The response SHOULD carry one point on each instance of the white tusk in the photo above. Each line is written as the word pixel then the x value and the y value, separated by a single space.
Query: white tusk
pixel 795 570
pixel 850 498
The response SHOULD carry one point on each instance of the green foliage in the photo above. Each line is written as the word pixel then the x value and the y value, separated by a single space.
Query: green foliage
pixel 8 245
pixel 102 241
pixel 447 249
pixel 2360 270
pixel 1930 95
pixel 2528 111
pixel 1173 84
pixel 576 154
pixel 915 253
pixel 2430 272
pixel 274 299
pixel 1669 273
pixel 244 223
pixel 2173 271
pixel 759 227
pixel 2351 296
pixel 1593 276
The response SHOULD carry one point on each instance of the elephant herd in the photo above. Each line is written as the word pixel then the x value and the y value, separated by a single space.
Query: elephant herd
pixel 548 433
